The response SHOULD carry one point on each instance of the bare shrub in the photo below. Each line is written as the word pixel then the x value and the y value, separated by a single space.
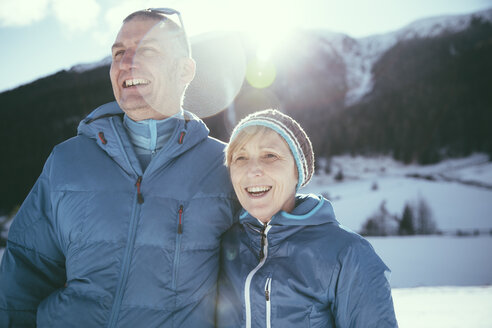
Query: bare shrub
pixel 339 176
pixel 417 219
pixel 381 223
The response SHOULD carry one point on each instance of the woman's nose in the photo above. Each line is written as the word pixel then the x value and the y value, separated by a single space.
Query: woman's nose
pixel 254 168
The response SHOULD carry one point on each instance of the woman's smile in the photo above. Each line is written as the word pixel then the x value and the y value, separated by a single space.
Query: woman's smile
pixel 258 191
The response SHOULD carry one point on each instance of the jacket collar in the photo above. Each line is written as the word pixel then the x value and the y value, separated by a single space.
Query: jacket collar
pixel 105 126
pixel 309 210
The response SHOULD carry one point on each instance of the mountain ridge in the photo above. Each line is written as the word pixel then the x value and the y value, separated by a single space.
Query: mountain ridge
pixel 422 99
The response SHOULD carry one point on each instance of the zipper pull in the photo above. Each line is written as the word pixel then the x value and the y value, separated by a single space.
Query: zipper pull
pixel 102 138
pixel 181 137
pixel 139 194
pixel 262 245
pixel 267 288
pixel 180 225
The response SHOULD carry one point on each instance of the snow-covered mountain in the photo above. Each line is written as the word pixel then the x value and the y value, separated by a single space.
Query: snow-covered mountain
pixel 360 55
pixel 81 68
pixel 425 91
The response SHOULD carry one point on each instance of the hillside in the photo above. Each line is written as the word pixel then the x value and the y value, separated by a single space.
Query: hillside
pixel 417 94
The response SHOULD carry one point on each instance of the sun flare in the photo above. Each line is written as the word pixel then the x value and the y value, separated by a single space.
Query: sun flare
pixel 268 28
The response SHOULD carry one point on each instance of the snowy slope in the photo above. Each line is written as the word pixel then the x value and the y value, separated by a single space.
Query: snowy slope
pixel 458 192
pixel 361 54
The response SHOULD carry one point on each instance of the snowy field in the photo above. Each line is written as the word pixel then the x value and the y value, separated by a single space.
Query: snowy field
pixel 443 307
pixel 438 281
pixel 459 194
pixel 420 261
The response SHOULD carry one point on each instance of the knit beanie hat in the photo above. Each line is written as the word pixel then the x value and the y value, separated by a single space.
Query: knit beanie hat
pixel 298 141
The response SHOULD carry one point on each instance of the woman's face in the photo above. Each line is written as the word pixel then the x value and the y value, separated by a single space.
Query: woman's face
pixel 264 176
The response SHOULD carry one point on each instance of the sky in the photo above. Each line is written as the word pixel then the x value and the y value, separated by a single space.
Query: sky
pixel 41 37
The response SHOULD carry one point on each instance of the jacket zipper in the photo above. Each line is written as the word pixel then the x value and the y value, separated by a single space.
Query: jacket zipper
pixel 126 261
pixel 125 267
pixel 268 294
pixel 178 246
pixel 247 284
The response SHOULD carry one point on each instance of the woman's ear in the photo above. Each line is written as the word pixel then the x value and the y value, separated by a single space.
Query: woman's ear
pixel 187 69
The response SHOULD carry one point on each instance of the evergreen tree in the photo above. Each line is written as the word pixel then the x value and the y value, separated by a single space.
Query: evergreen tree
pixel 406 223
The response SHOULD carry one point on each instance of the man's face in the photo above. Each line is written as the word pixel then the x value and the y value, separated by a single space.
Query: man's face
pixel 145 74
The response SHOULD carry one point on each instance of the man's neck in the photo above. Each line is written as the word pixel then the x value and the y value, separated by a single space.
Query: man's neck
pixel 149 136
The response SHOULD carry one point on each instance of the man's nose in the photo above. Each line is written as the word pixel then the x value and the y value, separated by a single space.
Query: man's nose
pixel 129 60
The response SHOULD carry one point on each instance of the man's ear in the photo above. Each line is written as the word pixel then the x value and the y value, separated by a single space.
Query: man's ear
pixel 187 69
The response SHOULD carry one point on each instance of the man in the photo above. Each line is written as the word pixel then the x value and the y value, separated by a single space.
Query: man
pixel 122 228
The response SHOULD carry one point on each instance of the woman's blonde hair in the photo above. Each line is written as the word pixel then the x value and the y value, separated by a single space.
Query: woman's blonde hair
pixel 242 138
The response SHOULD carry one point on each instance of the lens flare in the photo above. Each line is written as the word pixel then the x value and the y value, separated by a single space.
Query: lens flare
pixel 260 74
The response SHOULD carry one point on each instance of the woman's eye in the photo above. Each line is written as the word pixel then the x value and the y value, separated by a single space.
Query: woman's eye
pixel 270 156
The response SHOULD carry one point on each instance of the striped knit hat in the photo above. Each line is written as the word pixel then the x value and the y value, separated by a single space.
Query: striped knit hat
pixel 291 132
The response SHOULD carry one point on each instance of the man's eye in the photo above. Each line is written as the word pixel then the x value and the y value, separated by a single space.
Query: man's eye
pixel 147 51
pixel 118 54
pixel 239 158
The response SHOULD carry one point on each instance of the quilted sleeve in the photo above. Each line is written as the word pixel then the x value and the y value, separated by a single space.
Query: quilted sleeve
pixel 363 294
pixel 33 265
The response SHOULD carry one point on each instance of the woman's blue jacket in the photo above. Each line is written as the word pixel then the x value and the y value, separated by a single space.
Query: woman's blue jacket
pixel 302 269
pixel 99 243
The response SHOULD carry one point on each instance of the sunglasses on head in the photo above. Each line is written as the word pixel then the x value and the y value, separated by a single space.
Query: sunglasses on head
pixel 169 12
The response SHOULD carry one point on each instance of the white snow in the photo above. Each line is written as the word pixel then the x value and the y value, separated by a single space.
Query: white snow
pixel 436 260
pixel 443 307
pixel 455 203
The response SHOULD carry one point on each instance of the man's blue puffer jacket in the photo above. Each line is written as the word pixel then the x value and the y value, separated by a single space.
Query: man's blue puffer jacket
pixel 302 269
pixel 99 243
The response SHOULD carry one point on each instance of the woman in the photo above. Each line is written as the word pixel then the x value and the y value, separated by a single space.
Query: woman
pixel 288 262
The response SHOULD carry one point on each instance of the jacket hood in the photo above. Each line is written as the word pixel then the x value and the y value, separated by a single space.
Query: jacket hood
pixel 310 210
pixel 105 126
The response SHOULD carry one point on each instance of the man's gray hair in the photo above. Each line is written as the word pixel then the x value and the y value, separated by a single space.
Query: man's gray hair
pixel 170 26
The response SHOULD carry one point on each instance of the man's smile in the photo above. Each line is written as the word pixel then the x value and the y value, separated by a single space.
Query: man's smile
pixel 135 82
